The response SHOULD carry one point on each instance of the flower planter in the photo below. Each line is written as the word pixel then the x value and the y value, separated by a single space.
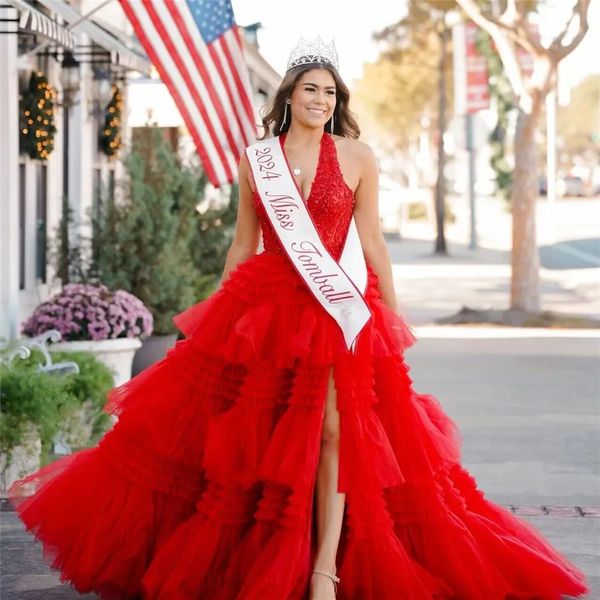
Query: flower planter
pixel 92 318
pixel 117 354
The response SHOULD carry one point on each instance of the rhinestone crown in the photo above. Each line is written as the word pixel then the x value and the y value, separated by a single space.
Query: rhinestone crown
pixel 313 52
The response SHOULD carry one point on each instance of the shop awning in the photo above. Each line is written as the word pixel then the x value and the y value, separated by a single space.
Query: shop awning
pixel 34 21
pixel 129 56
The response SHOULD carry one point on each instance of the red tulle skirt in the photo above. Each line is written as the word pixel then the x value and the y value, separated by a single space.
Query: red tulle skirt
pixel 204 487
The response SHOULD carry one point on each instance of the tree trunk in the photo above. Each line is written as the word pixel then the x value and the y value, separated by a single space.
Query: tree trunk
pixel 440 187
pixel 525 283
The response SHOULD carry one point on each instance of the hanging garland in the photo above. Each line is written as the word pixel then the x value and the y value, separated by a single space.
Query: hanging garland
pixel 110 134
pixel 501 91
pixel 36 116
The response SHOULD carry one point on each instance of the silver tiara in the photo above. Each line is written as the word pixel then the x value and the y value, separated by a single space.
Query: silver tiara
pixel 313 52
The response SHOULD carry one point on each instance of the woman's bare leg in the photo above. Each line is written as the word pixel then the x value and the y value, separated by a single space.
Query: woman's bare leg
pixel 329 503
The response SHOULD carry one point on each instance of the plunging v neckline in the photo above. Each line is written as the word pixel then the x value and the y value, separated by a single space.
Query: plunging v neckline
pixel 306 200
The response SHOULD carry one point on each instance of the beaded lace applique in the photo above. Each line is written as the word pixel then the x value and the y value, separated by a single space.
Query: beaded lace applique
pixel 330 202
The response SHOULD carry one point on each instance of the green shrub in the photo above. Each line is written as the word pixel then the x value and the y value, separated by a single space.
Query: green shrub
pixel 150 239
pixel 93 382
pixel 142 241
pixel 29 395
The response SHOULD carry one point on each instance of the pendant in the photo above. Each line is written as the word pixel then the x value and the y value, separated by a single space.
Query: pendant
pixel 297 171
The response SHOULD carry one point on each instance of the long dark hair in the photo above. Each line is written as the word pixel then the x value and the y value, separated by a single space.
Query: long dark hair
pixel 344 122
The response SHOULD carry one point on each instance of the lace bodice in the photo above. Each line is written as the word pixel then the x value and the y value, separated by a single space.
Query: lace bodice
pixel 330 202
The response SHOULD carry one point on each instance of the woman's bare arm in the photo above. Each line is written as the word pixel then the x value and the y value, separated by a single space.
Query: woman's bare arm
pixel 247 229
pixel 366 215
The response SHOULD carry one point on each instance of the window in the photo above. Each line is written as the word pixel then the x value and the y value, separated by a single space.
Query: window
pixel 22 205
pixel 97 198
pixel 111 184
pixel 41 222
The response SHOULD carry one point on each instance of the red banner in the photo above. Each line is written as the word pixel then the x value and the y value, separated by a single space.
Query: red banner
pixel 478 95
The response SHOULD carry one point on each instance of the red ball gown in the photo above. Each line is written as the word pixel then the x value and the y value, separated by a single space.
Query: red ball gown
pixel 203 489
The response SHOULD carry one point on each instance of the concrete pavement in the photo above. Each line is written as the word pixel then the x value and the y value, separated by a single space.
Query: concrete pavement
pixel 527 410
pixel 431 286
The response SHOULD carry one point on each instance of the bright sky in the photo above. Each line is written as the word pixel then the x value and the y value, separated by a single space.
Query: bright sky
pixel 351 25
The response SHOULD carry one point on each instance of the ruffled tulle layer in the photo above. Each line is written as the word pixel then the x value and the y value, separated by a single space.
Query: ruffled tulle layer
pixel 264 312
pixel 204 487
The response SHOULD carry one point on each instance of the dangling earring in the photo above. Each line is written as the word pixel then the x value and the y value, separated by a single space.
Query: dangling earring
pixel 288 101
pixel 332 122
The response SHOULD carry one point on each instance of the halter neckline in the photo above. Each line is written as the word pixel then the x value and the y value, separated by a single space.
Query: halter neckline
pixel 318 170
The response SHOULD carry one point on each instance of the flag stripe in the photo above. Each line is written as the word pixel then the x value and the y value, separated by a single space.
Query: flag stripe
pixel 247 108
pixel 238 52
pixel 196 48
pixel 228 126
pixel 232 92
pixel 234 65
pixel 163 25
pixel 212 79
pixel 180 92
pixel 130 11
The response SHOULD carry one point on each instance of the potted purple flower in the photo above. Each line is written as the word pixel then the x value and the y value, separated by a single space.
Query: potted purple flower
pixel 94 319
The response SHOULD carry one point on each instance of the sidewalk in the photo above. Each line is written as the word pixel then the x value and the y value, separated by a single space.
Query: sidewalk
pixel 527 411
pixel 431 286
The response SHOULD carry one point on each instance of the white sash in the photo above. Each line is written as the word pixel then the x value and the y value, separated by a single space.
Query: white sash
pixel 339 288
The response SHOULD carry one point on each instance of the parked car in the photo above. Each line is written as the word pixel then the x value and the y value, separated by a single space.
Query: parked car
pixel 570 185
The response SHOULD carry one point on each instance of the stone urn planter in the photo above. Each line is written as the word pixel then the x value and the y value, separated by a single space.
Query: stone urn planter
pixel 21 460
pixel 91 318
pixel 154 348
pixel 117 354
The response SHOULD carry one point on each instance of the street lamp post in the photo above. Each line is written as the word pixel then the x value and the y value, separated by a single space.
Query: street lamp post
pixel 69 79
pixel 101 91
pixel 70 82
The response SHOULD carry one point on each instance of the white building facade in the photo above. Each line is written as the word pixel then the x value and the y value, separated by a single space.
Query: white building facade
pixel 38 36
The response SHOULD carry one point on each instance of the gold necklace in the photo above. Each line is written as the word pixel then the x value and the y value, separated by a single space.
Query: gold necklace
pixel 297 170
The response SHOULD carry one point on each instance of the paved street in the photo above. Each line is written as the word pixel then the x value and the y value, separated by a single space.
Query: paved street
pixel 528 413
pixel 526 401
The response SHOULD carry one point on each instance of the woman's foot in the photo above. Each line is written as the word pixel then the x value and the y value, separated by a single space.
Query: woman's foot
pixel 323 587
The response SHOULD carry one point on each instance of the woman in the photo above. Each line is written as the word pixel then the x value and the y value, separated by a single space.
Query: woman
pixel 279 450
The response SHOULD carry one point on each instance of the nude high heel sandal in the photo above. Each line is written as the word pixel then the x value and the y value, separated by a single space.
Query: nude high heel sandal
pixel 333 578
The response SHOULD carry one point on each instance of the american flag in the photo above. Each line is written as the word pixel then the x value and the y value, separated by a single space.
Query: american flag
pixel 196 48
